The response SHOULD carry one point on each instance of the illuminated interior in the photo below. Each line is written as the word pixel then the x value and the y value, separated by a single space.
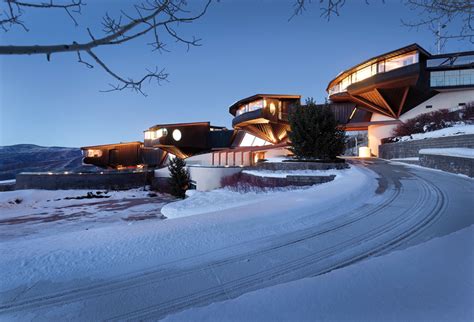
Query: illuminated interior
pixel 251 140
pixel 153 135
pixel 378 67
pixel 91 153
pixel 252 106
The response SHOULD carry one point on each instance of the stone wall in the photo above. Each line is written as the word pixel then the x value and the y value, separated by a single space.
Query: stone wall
pixel 119 180
pixel 448 163
pixel 411 148
pixel 290 180
pixel 275 166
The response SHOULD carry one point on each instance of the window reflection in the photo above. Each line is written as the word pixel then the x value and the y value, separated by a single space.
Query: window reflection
pixel 252 106
pixel 452 78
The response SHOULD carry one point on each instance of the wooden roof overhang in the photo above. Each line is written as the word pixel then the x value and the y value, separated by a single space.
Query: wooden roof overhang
pixel 363 126
pixel 233 108
pixel 386 93
pixel 104 146
pixel 172 125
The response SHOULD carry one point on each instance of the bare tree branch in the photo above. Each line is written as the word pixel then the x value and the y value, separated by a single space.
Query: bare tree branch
pixel 440 15
pixel 154 17
pixel 434 15
pixel 15 9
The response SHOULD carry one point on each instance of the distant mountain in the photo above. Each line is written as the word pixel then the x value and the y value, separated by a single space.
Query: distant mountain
pixel 33 158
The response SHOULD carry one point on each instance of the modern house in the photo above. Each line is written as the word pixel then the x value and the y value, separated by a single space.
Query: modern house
pixel 375 96
pixel 264 115
pixel 391 88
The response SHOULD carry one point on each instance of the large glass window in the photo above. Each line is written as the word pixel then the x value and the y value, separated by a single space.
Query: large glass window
pixel 376 68
pixel 401 61
pixel 93 153
pixel 451 61
pixel 251 140
pixel 452 78
pixel 252 106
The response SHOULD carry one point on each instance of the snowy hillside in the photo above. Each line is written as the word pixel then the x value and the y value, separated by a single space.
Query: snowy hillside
pixel 29 157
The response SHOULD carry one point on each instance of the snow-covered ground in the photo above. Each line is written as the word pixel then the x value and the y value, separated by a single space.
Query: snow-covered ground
pixel 90 253
pixel 152 268
pixel 44 212
pixel 221 199
pixel 452 152
pixel 433 281
pixel 458 129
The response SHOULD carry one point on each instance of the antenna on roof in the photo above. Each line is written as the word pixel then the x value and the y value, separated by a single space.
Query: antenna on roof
pixel 438 37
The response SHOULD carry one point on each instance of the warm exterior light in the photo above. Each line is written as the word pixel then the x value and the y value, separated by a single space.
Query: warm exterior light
pixel 272 108
pixel 255 158
pixel 364 152
pixel 353 112
pixel 177 135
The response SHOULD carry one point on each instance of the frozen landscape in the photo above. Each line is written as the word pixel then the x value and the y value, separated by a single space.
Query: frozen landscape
pixel 383 224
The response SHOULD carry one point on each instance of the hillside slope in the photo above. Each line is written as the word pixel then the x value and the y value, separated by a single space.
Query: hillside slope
pixel 33 158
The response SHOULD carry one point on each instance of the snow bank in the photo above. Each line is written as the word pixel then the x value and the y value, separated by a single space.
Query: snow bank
pixel 64 256
pixel 458 129
pixel 429 282
pixel 452 152
pixel 222 199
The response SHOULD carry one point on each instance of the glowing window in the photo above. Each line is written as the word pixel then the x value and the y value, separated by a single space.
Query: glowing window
pixel 177 135
pixel 92 153
pixel 272 108
pixel 401 61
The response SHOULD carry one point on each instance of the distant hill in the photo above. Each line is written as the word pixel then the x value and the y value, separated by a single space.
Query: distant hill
pixel 33 158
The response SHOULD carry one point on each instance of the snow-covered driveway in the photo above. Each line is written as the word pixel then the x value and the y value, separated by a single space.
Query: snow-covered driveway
pixel 198 260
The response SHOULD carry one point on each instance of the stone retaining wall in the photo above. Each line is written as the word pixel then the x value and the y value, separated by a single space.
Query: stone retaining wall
pixel 411 148
pixel 275 166
pixel 290 180
pixel 448 163
pixel 108 180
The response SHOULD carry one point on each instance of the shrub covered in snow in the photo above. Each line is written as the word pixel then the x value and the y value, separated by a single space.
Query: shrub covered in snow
pixel 433 121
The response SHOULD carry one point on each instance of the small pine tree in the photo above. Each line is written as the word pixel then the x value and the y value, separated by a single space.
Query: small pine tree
pixel 179 177
pixel 314 133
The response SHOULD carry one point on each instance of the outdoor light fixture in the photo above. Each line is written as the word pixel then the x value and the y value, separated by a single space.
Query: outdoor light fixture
pixel 364 152
pixel 177 135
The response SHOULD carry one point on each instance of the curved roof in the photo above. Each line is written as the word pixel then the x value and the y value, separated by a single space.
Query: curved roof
pixel 378 58
pixel 233 107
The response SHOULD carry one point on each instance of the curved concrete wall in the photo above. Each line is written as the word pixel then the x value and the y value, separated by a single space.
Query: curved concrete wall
pixel 209 178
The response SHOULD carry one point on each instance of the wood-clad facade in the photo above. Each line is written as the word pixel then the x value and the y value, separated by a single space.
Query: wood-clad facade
pixel 264 115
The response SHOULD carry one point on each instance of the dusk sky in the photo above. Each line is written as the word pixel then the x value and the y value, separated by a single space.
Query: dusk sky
pixel 248 47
